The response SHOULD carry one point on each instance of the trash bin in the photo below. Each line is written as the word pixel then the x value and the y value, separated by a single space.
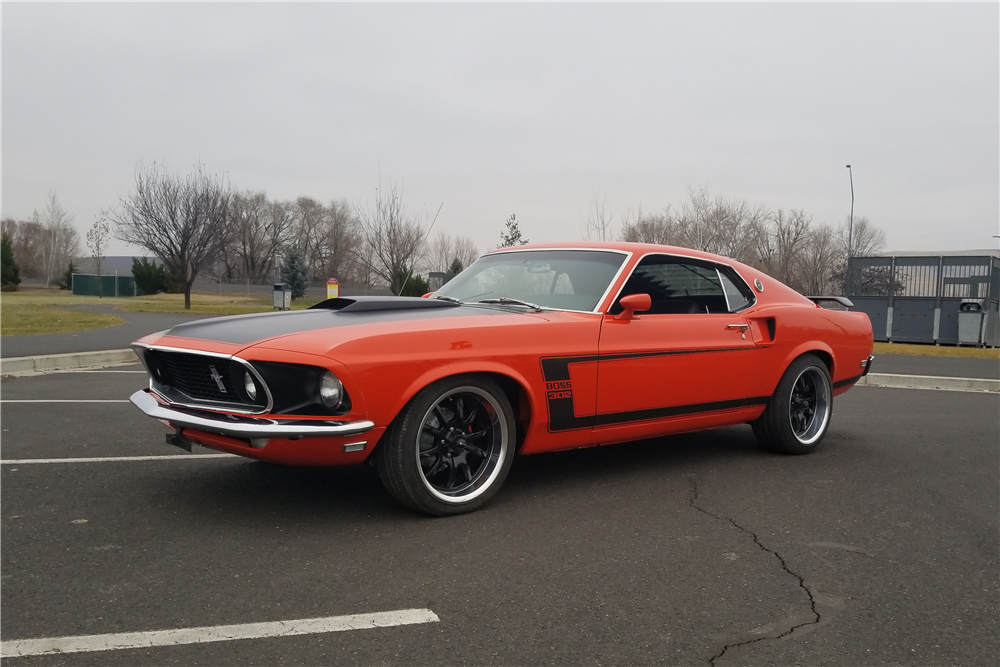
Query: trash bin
pixel 970 322
pixel 283 296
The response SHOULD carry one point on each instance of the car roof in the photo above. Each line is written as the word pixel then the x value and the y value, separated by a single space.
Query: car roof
pixel 621 246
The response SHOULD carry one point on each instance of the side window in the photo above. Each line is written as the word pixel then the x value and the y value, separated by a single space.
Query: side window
pixel 678 286
pixel 738 295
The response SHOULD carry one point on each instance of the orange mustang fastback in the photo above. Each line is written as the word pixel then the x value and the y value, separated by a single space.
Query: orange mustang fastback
pixel 531 349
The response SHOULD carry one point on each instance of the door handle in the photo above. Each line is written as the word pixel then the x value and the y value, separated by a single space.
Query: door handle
pixel 743 329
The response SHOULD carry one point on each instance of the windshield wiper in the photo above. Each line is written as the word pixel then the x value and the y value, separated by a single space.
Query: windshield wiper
pixel 449 299
pixel 505 300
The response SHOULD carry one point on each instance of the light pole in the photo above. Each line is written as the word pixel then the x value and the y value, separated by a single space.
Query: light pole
pixel 850 226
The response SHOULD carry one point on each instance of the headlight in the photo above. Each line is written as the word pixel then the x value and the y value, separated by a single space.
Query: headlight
pixel 331 391
pixel 250 386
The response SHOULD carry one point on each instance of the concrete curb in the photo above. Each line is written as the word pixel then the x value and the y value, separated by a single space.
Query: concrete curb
pixel 54 363
pixel 929 382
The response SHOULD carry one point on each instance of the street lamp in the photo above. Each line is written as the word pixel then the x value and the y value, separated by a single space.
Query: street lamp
pixel 850 226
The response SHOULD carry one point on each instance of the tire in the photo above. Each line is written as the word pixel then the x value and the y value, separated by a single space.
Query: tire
pixel 798 414
pixel 450 449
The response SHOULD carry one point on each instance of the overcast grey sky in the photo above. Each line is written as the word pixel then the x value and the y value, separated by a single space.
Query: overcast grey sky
pixel 527 109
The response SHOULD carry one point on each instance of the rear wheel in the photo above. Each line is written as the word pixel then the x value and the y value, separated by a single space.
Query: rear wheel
pixel 449 450
pixel 798 414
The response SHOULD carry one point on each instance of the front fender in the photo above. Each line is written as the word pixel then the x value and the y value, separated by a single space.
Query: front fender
pixel 437 373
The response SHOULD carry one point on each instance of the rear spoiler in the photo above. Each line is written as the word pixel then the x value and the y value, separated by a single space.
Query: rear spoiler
pixel 827 301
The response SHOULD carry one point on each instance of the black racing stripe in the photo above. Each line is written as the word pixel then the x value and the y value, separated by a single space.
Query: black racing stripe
pixel 616 418
pixel 556 368
pixel 848 381
pixel 671 353
pixel 245 329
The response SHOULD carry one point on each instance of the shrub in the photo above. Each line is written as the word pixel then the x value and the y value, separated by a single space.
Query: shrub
pixel 66 280
pixel 150 277
pixel 10 274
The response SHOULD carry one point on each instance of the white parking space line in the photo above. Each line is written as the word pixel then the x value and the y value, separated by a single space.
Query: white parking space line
pixel 106 371
pixel 66 400
pixel 116 459
pixel 218 633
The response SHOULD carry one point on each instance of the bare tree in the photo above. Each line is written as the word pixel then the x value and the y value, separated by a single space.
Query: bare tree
pixel 466 251
pixel 394 240
pixel 335 241
pixel 27 242
pixel 179 219
pixel 258 229
pixel 600 221
pixel 309 222
pixel 660 228
pixel 820 257
pixel 444 251
pixel 97 241
pixel 738 224
pixel 59 241
pixel 780 244
pixel 867 238
pixel 783 244
pixel 440 252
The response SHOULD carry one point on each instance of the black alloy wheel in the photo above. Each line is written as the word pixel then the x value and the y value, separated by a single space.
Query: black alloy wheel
pixel 450 449
pixel 798 414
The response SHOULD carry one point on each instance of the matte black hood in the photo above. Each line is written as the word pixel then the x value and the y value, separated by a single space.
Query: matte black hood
pixel 246 329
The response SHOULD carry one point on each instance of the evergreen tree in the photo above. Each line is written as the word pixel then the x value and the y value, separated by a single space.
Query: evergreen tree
pixel 456 267
pixel 66 281
pixel 512 236
pixel 414 286
pixel 149 276
pixel 11 274
pixel 293 272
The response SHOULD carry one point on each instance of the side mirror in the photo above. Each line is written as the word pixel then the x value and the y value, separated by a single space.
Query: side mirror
pixel 632 304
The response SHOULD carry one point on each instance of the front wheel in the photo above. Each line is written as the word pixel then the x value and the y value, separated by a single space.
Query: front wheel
pixel 449 450
pixel 798 414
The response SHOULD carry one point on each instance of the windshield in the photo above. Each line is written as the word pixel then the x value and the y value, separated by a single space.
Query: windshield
pixel 561 279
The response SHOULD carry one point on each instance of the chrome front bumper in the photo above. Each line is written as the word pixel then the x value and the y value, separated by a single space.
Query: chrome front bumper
pixel 246 428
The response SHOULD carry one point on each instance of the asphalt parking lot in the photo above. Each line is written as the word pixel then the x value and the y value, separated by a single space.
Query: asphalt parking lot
pixel 882 548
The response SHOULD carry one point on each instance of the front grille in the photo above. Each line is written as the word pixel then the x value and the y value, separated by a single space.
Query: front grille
pixel 200 377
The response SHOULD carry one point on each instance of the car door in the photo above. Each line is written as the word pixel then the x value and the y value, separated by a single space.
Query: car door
pixel 689 355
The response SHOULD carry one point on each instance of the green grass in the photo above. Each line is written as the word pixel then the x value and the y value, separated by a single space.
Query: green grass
pixel 18 319
pixel 34 310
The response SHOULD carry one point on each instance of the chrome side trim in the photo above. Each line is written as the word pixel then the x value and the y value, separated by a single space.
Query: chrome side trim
pixel 265 428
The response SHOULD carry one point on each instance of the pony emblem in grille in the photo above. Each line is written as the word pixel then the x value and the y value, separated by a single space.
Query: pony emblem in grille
pixel 218 379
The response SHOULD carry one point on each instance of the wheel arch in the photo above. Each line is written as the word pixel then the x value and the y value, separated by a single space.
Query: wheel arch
pixel 513 384
pixel 817 348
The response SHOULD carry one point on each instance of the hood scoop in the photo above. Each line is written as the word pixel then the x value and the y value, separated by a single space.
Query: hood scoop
pixel 359 304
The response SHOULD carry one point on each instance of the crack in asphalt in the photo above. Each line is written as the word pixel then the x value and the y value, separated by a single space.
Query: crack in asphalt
pixel 784 566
